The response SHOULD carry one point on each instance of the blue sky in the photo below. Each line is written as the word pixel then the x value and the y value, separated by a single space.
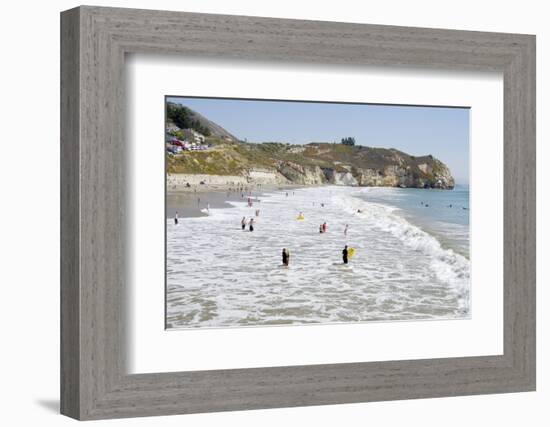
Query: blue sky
pixel 442 132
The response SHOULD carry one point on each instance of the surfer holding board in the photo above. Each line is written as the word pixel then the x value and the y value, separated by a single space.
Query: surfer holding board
pixel 347 253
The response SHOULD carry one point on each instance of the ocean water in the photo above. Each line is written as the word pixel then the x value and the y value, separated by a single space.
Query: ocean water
pixel 443 213
pixel 411 261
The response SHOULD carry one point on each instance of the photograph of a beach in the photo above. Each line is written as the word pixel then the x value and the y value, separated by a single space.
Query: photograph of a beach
pixel 297 212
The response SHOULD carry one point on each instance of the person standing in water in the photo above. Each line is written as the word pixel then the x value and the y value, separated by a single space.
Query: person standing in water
pixel 176 218
pixel 345 254
pixel 286 257
pixel 243 223
pixel 251 224
pixel 324 227
pixel 346 230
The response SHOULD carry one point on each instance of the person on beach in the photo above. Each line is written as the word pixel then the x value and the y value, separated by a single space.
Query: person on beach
pixel 243 223
pixel 251 225
pixel 321 229
pixel 346 230
pixel 286 257
pixel 345 254
pixel 176 218
pixel 324 227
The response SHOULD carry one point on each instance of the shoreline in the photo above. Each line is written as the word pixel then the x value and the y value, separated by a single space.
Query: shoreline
pixel 217 190
pixel 191 204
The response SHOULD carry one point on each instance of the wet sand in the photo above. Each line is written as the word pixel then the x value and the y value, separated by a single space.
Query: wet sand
pixel 190 205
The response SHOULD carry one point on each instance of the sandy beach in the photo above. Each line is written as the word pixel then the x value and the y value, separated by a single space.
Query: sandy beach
pixel 216 192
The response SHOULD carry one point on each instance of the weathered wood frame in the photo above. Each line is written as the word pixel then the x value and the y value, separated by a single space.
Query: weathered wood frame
pixel 94 41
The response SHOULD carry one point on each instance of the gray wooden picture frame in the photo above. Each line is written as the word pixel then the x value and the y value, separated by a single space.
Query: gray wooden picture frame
pixel 94 381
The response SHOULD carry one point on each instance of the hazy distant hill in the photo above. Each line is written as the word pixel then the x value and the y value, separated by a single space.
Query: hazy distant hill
pixel 311 164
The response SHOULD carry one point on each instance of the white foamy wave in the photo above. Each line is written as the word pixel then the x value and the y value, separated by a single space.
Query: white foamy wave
pixel 449 266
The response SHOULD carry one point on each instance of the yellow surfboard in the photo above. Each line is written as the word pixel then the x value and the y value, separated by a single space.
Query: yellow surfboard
pixel 300 218
pixel 351 252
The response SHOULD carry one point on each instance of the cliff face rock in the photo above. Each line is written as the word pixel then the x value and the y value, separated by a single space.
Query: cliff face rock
pixel 299 174
pixel 340 178
pixel 442 175
pixel 265 176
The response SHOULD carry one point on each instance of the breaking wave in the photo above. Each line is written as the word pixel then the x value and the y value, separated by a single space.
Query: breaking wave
pixel 449 266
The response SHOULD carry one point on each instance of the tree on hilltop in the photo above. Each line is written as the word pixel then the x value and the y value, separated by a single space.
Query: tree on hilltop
pixel 350 140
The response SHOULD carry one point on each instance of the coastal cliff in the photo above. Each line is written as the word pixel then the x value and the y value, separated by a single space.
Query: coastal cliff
pixel 222 155
pixel 314 164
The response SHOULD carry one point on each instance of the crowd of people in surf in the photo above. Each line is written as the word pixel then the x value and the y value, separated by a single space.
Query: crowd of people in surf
pixel 323 228
pixel 250 223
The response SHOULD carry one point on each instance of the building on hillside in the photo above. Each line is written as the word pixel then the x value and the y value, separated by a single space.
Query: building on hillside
pixel 193 136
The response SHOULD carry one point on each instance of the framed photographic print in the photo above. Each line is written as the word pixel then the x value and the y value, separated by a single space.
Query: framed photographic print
pixel 337 231
pixel 262 213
